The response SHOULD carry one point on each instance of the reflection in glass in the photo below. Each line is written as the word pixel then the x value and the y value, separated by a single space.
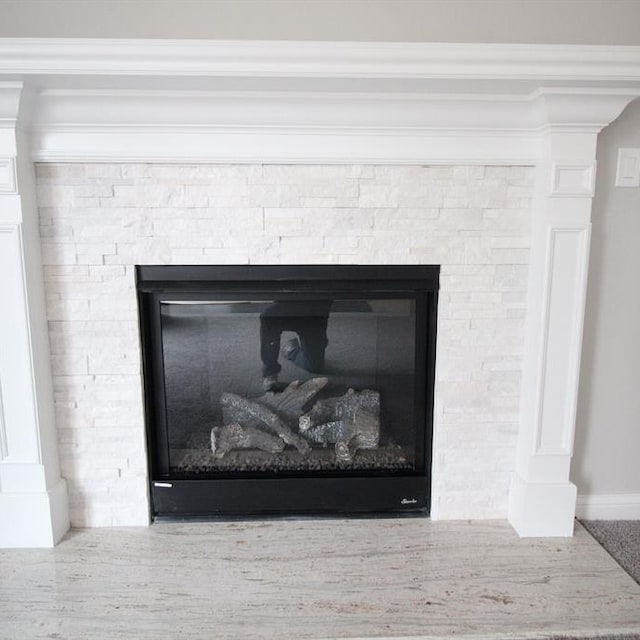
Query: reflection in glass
pixel 228 369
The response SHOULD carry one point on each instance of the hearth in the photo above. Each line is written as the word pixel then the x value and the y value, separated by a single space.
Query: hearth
pixel 288 389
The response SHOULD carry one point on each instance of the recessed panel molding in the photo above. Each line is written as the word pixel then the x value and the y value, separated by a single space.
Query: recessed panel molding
pixel 573 180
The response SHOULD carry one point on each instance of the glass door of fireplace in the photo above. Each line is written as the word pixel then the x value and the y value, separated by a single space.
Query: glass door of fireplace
pixel 281 384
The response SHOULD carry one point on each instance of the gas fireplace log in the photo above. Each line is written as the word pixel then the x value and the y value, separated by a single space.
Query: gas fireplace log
pixel 243 409
pixel 348 436
pixel 366 429
pixel 328 432
pixel 235 436
pixel 345 450
pixel 290 403
pixel 343 407
pixel 323 411
pixel 358 428
pixel 351 401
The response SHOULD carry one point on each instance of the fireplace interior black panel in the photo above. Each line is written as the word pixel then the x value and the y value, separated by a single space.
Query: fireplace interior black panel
pixel 288 389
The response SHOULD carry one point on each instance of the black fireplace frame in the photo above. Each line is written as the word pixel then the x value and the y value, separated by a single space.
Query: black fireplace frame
pixel 257 495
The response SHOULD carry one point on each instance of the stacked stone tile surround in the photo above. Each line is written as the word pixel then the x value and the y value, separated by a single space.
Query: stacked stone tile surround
pixel 98 220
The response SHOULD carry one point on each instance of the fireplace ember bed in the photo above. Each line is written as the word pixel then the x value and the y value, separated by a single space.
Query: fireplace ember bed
pixel 288 390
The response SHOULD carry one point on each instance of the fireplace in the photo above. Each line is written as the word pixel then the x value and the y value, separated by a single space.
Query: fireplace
pixel 288 389
pixel 423 158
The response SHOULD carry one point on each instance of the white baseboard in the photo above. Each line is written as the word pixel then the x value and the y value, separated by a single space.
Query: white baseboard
pixel 541 509
pixel 36 519
pixel 620 506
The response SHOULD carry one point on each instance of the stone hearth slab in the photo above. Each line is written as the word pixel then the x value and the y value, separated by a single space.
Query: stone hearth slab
pixel 312 579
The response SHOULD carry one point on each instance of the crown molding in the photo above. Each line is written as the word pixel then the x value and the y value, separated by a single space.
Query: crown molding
pixel 278 145
pixel 10 93
pixel 318 59
pixel 173 126
pixel 572 109
pixel 159 100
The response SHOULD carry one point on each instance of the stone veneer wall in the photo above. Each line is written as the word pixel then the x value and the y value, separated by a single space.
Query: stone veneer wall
pixel 99 220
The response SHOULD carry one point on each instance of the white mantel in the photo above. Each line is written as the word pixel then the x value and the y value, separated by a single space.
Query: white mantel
pixel 206 102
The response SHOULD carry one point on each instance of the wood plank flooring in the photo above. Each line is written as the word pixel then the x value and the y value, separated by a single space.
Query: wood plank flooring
pixel 314 579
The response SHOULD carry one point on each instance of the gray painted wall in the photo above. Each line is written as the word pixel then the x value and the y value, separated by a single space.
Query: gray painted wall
pixel 607 452
pixel 608 425
pixel 526 21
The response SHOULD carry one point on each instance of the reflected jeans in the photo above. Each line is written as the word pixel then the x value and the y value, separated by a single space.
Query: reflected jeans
pixel 312 334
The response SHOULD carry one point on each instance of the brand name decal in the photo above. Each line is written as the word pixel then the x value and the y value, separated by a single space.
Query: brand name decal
pixel 408 501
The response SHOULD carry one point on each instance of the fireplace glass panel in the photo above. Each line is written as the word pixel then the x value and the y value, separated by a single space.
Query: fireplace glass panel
pixel 288 389
pixel 338 374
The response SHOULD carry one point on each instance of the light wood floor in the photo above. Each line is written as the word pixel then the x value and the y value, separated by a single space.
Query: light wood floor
pixel 408 578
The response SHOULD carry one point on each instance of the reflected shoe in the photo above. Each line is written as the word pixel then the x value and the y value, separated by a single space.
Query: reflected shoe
pixel 290 348
pixel 269 383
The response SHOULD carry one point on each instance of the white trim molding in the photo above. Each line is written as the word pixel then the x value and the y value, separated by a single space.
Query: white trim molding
pixel 276 126
pixel 312 126
pixel 300 102
pixel 565 275
pixel 7 176
pixel 33 497
pixel 573 180
pixel 4 451
pixel 268 59
pixel 291 102
pixel 623 506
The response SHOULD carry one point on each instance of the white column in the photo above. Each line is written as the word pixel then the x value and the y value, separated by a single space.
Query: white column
pixel 33 497
pixel 542 500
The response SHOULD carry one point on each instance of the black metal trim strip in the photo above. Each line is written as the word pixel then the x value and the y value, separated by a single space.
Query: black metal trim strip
pixel 337 496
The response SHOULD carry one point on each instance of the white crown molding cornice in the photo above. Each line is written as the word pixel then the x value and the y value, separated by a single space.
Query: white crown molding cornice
pixel 10 93
pixel 113 125
pixel 140 126
pixel 569 108
pixel 318 59
pixel 155 100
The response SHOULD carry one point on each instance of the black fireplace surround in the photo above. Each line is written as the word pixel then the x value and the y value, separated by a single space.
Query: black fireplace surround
pixel 288 390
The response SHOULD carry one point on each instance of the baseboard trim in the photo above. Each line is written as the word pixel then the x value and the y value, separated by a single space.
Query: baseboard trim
pixel 34 520
pixel 621 506
pixel 541 509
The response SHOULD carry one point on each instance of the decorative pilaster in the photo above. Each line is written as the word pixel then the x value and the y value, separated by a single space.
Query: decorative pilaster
pixel 33 496
pixel 542 500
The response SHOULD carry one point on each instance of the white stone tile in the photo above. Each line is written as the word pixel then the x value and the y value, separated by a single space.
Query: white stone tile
pixel 148 195
pixel 213 214
pixel 273 195
pixel 99 170
pixel 378 195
